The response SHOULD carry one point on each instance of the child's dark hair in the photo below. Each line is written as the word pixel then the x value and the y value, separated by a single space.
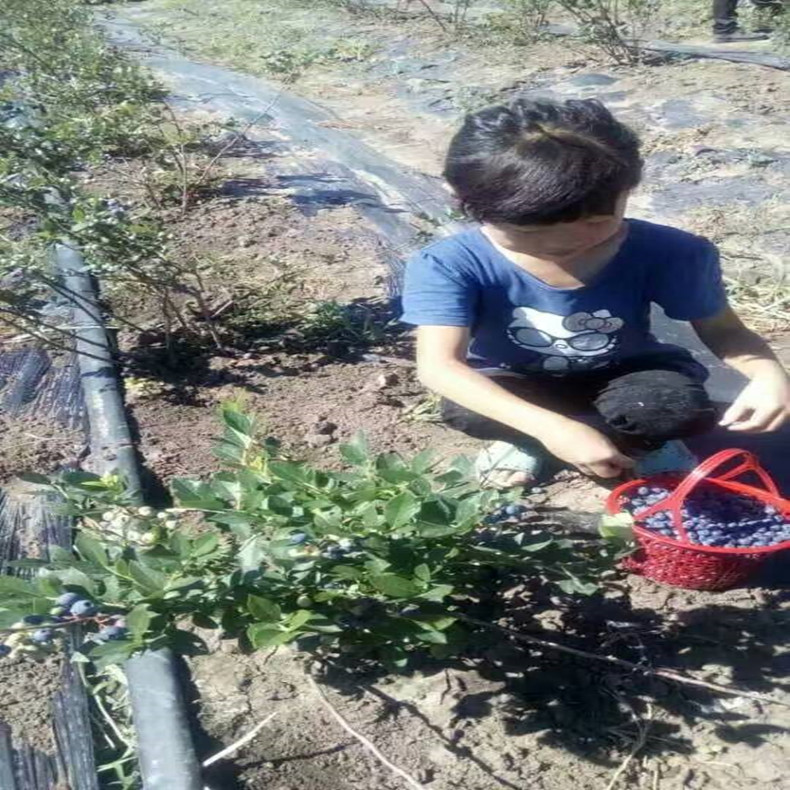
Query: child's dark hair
pixel 536 162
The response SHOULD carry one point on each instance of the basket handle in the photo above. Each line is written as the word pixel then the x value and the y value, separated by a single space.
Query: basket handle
pixel 704 471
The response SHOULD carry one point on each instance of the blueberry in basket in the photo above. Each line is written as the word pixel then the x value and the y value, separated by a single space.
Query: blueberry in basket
pixel 714 517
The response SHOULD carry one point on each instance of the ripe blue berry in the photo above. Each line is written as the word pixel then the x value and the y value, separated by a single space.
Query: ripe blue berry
pixel 112 633
pixel 67 599
pixel 83 608
pixel 42 636
pixel 297 538
pixel 4 650
pixel 33 619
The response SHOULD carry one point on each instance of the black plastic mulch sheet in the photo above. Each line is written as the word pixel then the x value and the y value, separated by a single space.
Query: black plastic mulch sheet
pixel 37 387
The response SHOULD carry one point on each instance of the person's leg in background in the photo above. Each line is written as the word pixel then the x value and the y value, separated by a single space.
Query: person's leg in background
pixel 725 23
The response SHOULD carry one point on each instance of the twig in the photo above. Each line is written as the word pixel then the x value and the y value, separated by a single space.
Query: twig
pixel 666 674
pixel 643 729
pixel 236 745
pixel 361 738
pixel 436 18
pixel 204 174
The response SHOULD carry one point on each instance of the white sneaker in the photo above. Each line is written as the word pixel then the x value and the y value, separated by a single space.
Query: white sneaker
pixel 504 465
pixel 673 456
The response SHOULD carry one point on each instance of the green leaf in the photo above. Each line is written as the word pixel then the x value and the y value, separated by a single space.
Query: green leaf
pixel 147 579
pixel 138 620
pixel 423 573
pixel 401 509
pixel 423 461
pixel 348 572
pixel 236 420
pixel 263 609
pixel 617 527
pixel 185 581
pixel 357 451
pixel 298 619
pixel 437 511
pixel 290 472
pixel 252 553
pixel 394 586
pixel 90 549
pixel 369 515
pixel 394 657
pixel 436 531
pixel 573 585
pixel 432 637
pixel 195 494
pixel 205 544
pixel 438 593
pixel 261 635
pixel 41 480
pixel 10 616
pixel 71 577
pixel 110 653
pixel 14 586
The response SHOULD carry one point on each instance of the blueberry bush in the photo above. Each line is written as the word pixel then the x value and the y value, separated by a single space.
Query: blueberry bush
pixel 379 560
pixel 70 102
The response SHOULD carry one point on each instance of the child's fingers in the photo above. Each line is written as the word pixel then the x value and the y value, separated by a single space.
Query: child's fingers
pixel 608 469
pixel 759 420
pixel 736 413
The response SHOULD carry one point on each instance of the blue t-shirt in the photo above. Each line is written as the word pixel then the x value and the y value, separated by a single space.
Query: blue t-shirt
pixel 521 324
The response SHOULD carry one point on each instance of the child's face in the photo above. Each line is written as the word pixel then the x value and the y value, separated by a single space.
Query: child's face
pixel 563 240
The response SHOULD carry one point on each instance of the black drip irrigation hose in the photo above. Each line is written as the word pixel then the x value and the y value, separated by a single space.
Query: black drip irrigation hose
pixel 164 746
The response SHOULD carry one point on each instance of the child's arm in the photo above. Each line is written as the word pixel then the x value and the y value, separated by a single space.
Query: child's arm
pixel 441 364
pixel 764 404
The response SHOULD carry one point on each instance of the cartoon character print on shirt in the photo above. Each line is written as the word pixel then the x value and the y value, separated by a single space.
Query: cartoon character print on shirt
pixel 581 341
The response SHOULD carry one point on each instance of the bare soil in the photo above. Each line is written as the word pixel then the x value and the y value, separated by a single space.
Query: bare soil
pixel 36 444
pixel 28 688
pixel 515 718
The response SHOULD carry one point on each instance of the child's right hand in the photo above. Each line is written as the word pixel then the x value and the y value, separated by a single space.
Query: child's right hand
pixel 588 450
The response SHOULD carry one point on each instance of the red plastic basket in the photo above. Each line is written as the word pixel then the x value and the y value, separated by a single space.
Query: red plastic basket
pixel 682 563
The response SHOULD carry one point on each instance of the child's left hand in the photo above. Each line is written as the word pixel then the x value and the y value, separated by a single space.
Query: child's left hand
pixel 763 405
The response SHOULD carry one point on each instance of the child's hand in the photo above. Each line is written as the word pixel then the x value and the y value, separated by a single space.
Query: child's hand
pixel 586 449
pixel 763 406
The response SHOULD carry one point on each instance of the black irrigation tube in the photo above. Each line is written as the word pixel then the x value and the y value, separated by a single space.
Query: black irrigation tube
pixel 164 746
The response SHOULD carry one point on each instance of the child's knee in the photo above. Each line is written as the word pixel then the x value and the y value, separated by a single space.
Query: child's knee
pixel 657 404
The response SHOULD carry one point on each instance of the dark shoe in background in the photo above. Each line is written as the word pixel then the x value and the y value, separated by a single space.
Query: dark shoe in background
pixel 740 37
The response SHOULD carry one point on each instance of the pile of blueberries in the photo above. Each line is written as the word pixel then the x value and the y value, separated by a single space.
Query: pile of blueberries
pixel 70 608
pixel 713 516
